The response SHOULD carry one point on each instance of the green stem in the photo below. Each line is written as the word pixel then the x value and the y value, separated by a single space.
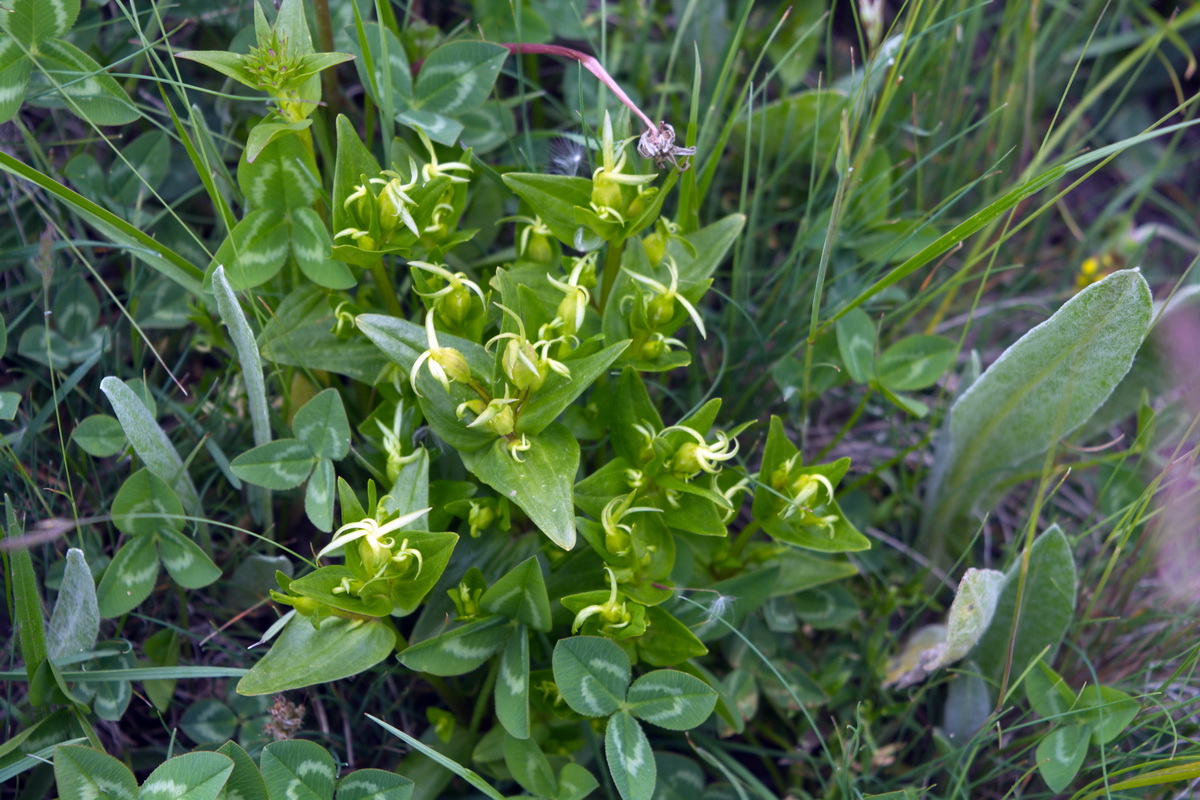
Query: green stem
pixel 862 404
pixel 744 538
pixel 448 695
pixel 612 265
pixel 387 289
pixel 485 693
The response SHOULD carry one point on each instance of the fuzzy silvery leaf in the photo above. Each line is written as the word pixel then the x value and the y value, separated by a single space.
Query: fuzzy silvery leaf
pixel 75 621
pixel 192 776
pixel 592 674
pixel 149 441
pixel 520 594
pixel 460 650
pixel 630 760
pixel 671 699
pixel 247 353
pixel 83 772
pixel 298 770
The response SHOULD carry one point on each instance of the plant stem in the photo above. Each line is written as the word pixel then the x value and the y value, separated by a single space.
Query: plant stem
pixel 612 265
pixel 743 538
pixel 386 288
pixel 485 694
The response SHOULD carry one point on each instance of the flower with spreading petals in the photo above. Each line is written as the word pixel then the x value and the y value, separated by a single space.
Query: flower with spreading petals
pixel 661 308
pixel 377 547
pixel 445 363
pixel 692 458
pixel 613 615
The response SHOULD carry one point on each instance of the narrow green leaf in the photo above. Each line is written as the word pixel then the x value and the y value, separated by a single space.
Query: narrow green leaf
pixel 83 772
pixel 150 442
pixel 75 622
pixel 298 770
pixel 467 775
pixel 1060 755
pixel 231 65
pixel 458 651
pixel 304 656
pixel 541 483
pixel 281 464
pixel 512 685
pixel 629 758
pixel 671 699
pixel 192 776
pixel 129 578
pixel 520 594
pixel 27 600
pixel 592 674
pixel 247 353
pixel 322 425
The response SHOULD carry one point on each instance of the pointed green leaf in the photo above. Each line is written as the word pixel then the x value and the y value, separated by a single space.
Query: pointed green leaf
pixel 541 483
pixel 185 561
pixel 667 641
pixel 83 772
pixel 529 766
pixel 320 586
pixel 671 699
pixel 299 334
pixel 149 441
pixel 592 674
pixel 558 392
pixel 1060 755
pixel 374 784
pixel 86 89
pixel 512 685
pixel 353 161
pixel 255 249
pixel 193 776
pixel 303 655
pixel 322 425
pixel 75 622
pixel 554 199
pixel 435 547
pixel 458 651
pixel 298 770
pixel 629 758
pixel 129 578
pixel 458 76
pixel 15 68
pixel 99 435
pixel 521 595
pixel 231 65
pixel 281 464
pixel 318 495
pixel 311 247
pixel 245 782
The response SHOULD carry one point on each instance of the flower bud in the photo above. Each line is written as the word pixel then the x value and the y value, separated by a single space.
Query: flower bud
pixel 660 310
pixel 522 366
pixel 656 247
pixel 455 307
pixel 454 363
pixel 538 249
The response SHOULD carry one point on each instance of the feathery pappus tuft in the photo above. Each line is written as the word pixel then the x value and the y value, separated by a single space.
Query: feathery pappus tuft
pixel 568 157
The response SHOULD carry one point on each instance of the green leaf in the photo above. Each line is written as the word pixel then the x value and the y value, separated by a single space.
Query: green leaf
pixel 86 89
pixel 667 641
pixel 298 334
pixel 99 435
pixel 1047 608
pixel 458 76
pixel 9 403
pixel 145 504
pixel 968 707
pixel 1107 711
pixel 1047 692
pixel 512 685
pixel 27 601
pixel 708 247
pixel 245 782
pixel 554 199
pixel 540 484
pixel 404 341
pixel 298 770
pixel 262 134
pixel 915 362
pixel 281 464
pixel 320 585
pixel 318 495
pixel 575 782
pixel 185 561
pixel 231 65
pixel 458 651
pixel 75 622
pixel 144 165
pixel 629 758
pixel 311 247
pixel 322 425
pixel 32 22
pixel 1041 388
pixel 247 354
pixel 401 72
pixel 1060 755
pixel 193 776
pixel 150 442
pixel 558 392
pixel 283 176
pixel 521 595
pixel 438 127
pixel 129 578
pixel 529 766
pixel 15 68
pixel 75 308
pixel 208 721
pixel 671 699
pixel 592 674
pixel 467 775
pixel 255 249
pixel 856 343
pixel 304 656
pixel 435 548
pixel 374 784
pixel 83 772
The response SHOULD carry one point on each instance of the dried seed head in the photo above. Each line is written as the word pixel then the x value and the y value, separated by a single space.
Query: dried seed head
pixel 659 144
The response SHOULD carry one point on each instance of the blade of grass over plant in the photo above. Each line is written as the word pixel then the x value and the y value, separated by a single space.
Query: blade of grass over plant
pixel 467 775
pixel 31 628
pixel 141 674
pixel 203 170
pixel 156 254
